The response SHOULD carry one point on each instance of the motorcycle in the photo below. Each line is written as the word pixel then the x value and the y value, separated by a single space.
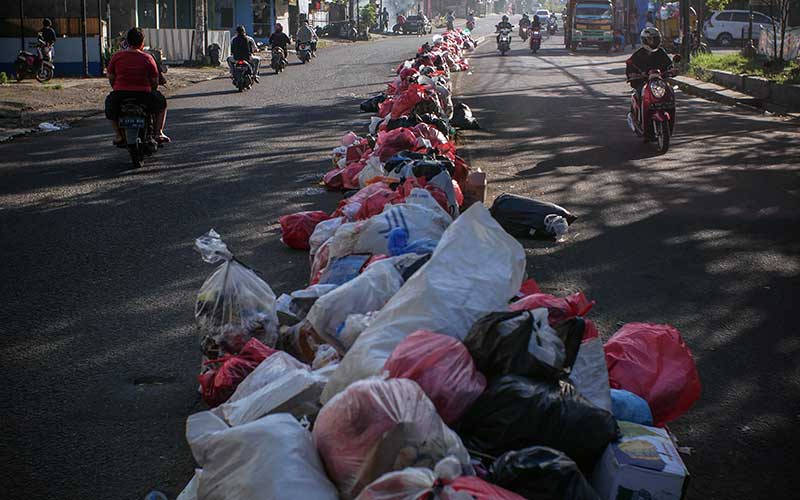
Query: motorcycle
pixel 552 27
pixel 137 125
pixel 35 64
pixel 523 33
pixel 304 52
pixel 242 75
pixel 536 40
pixel 278 62
pixel 471 25
pixel 504 41
pixel 652 114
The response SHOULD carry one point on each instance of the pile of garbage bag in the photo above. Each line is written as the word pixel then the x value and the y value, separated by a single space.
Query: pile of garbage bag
pixel 421 361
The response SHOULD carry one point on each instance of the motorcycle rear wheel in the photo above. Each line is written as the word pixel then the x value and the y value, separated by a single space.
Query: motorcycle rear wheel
pixel 662 136
pixel 136 156
pixel 19 71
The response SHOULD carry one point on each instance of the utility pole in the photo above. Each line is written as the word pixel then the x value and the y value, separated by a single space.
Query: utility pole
pixel 199 30
pixel 686 38
pixel 83 39
pixel 21 25
pixel 100 35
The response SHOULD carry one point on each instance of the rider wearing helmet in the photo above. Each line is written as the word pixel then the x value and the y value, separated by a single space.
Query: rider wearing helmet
pixel 537 24
pixel 503 24
pixel 525 22
pixel 648 57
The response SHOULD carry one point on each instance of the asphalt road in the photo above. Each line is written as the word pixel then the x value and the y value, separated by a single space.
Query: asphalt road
pixel 704 238
pixel 100 275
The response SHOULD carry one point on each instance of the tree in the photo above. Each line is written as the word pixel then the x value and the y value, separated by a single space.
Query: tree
pixel 779 13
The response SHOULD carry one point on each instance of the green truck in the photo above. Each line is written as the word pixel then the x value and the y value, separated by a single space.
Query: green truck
pixel 589 23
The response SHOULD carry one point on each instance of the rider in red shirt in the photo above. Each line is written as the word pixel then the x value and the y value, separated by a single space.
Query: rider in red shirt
pixel 134 73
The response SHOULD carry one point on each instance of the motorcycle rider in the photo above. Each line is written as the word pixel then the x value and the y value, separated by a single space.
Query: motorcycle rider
pixel 503 24
pixel 471 17
pixel 134 73
pixel 280 39
pixel 536 25
pixel 525 22
pixel 451 19
pixel 648 57
pixel 243 48
pixel 306 35
pixel 49 39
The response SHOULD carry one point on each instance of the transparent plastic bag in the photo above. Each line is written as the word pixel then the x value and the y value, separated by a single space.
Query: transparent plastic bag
pixel 234 304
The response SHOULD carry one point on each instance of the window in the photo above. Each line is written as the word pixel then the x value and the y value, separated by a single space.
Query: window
pixel 185 9
pixel 166 13
pixel 741 17
pixel 761 19
pixel 220 14
pixel 723 16
pixel 262 19
pixel 147 14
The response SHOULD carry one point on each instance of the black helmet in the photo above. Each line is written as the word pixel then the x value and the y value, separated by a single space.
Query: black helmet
pixel 536 18
pixel 505 19
pixel 651 38
pixel 240 29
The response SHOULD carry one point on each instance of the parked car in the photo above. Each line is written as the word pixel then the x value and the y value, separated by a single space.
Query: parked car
pixel 417 24
pixel 543 15
pixel 725 26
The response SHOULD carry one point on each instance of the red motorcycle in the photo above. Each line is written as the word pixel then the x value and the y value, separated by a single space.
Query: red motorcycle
pixel 652 114
pixel 536 39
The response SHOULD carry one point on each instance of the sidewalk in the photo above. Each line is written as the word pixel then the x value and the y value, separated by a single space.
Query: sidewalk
pixel 25 105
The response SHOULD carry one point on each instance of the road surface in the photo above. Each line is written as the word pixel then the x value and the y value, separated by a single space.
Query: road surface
pixel 99 272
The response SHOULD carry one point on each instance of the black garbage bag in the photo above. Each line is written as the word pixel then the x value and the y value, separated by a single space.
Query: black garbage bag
pixel 402 122
pixel 462 117
pixel 542 473
pixel 371 105
pixel 524 217
pixel 501 344
pixel 440 123
pixel 517 412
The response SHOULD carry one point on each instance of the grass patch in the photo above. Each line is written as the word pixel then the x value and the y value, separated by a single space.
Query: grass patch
pixel 780 71
pixel 57 86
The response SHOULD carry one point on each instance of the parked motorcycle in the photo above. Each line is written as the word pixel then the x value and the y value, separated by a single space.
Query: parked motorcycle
pixel 278 61
pixel 36 64
pixel 242 75
pixel 136 123
pixel 652 115
pixel 523 33
pixel 304 52
pixel 504 41
pixel 536 40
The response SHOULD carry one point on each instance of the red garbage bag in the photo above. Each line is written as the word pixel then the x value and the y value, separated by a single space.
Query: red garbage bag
pixel 481 490
pixel 461 171
pixel 459 194
pixel 559 308
pixel 652 362
pixel 219 384
pixel 404 102
pixel 443 367
pixel 350 175
pixel 296 228
pixel 529 287
pixel 359 198
pixel 433 134
pixel 356 151
pixel 374 204
pixel 333 179
pixel 393 141
pixel 386 106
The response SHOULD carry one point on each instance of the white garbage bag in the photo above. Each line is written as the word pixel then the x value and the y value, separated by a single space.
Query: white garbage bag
pixel 272 458
pixel 280 385
pixel 374 168
pixel 190 490
pixel 477 267
pixel 589 374
pixel 322 232
pixel 369 291
pixel 420 215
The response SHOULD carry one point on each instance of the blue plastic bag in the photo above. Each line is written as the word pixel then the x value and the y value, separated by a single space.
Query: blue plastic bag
pixel 629 407
pixel 398 244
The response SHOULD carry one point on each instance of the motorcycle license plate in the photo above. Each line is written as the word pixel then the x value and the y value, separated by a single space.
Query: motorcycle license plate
pixel 131 122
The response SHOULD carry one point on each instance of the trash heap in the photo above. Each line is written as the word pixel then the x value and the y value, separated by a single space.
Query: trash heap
pixel 420 362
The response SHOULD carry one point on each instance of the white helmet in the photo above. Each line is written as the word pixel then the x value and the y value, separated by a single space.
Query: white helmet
pixel 651 38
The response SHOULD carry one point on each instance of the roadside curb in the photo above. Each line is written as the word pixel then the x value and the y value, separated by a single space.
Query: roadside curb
pixel 723 95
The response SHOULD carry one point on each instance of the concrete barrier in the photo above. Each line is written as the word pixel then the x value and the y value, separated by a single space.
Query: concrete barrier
pixel 786 95
pixel 757 87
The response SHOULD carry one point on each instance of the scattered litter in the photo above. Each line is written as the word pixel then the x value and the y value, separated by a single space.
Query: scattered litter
pixel 52 127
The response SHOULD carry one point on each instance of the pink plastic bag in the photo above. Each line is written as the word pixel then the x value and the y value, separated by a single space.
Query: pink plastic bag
pixel 375 203
pixel 652 362
pixel 404 102
pixel 443 367
pixel 377 426
pixel 296 228
pixel 560 308
pixel 350 175
pixel 220 383
pixel 395 140
pixel 481 490
pixel 333 179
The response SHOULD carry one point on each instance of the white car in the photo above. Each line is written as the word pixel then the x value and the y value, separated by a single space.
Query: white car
pixel 543 14
pixel 725 26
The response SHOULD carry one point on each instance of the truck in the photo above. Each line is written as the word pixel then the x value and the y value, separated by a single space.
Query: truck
pixel 589 23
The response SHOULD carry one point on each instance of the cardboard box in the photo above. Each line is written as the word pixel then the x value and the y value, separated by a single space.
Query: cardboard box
pixel 643 465
pixel 474 190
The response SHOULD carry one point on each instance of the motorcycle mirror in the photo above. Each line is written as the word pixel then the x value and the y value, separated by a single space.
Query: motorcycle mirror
pixel 676 58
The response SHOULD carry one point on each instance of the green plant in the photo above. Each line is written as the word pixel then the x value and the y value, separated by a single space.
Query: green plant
pixel 780 71
pixel 3 77
pixel 368 15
